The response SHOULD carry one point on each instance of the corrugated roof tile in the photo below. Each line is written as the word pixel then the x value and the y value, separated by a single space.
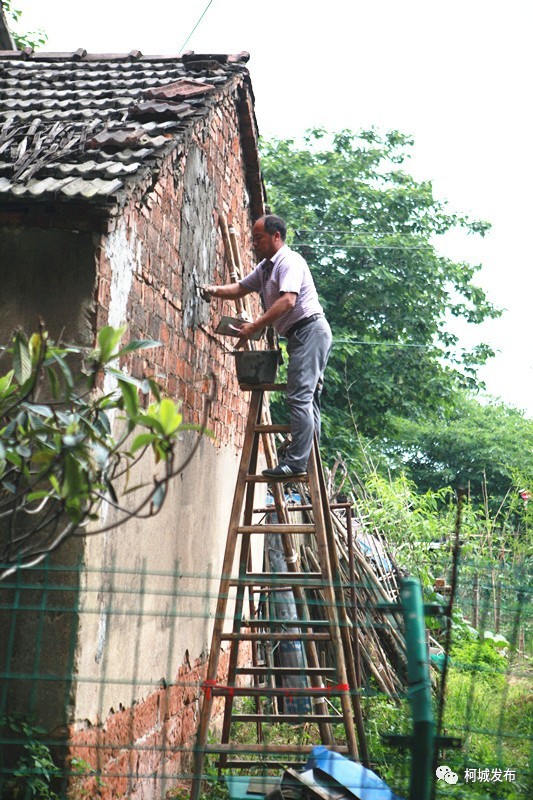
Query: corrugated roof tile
pixel 180 89
pixel 155 109
pixel 115 138
pixel 48 185
pixel 123 110
pixel 89 189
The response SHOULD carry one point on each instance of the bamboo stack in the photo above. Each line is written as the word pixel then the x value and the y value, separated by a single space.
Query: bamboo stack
pixel 376 634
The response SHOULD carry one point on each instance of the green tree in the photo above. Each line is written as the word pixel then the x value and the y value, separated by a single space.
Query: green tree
pixel 487 447
pixel 367 229
pixel 34 39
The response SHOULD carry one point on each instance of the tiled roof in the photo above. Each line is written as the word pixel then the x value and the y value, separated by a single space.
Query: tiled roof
pixel 91 127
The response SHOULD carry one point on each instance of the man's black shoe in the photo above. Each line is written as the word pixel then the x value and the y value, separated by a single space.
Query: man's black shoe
pixel 283 471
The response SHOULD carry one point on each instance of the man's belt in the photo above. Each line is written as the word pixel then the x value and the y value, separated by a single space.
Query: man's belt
pixel 302 323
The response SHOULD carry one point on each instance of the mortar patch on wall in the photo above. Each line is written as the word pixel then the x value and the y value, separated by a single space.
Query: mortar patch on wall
pixel 124 254
pixel 197 244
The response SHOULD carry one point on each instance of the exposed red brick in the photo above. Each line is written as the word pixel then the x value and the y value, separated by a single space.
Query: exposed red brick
pixel 158 731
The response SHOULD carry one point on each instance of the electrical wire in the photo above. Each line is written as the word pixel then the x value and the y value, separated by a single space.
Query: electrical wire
pixel 342 246
pixel 357 232
pixel 347 340
pixel 202 15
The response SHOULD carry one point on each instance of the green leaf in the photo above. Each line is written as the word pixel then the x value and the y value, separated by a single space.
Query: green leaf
pixel 14 458
pixel 169 416
pixel 36 347
pixel 138 344
pixel 108 339
pixel 142 440
pixel 123 376
pixel 150 421
pixel 5 384
pixel 154 386
pixel 37 495
pixel 54 382
pixel 130 397
pixel 74 482
pixel 64 369
pixel 41 410
pixel 21 358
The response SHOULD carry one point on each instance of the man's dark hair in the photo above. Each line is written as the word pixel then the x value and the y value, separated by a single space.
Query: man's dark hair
pixel 275 224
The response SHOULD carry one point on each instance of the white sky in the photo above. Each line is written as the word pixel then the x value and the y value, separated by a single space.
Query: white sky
pixel 456 75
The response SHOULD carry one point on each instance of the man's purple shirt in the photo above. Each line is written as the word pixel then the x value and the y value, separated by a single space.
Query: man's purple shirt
pixel 289 273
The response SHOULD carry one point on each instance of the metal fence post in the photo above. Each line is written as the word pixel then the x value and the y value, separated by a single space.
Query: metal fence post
pixel 419 690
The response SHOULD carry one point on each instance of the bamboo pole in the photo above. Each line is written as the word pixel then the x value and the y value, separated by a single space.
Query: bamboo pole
pixel 230 258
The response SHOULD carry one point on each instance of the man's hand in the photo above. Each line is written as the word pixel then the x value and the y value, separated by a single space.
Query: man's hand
pixel 207 292
pixel 246 330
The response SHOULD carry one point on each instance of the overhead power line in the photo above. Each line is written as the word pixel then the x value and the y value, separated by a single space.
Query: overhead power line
pixel 202 15
pixel 348 340
pixel 355 233
pixel 369 246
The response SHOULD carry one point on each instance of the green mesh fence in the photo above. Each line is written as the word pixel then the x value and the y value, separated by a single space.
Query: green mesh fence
pixel 102 675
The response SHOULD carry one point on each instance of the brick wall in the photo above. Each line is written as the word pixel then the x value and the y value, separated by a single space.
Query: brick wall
pixel 142 751
pixel 157 225
pixel 157 247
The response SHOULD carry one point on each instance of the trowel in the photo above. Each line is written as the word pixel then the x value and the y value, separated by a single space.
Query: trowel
pixel 230 326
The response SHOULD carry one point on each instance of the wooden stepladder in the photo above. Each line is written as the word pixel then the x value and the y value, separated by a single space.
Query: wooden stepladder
pixel 263 682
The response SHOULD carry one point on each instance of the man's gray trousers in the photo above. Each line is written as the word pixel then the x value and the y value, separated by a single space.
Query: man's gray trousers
pixel 308 348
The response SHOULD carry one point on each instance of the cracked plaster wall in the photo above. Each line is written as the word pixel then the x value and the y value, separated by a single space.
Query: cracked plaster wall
pixel 197 245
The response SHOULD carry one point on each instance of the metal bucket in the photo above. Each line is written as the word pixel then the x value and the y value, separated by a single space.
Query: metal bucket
pixel 256 366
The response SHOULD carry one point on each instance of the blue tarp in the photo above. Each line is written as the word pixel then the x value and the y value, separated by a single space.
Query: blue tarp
pixel 360 781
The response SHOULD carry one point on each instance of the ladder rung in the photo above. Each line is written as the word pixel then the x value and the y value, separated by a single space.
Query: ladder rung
pixel 267 528
pixel 227 764
pixel 294 719
pixel 288 507
pixel 311 580
pixel 288 623
pixel 318 692
pixel 272 428
pixel 228 747
pixel 285 671
pixel 284 479
pixel 275 636
pixel 263 387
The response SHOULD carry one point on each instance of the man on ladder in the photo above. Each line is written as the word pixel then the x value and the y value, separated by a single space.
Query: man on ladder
pixel 284 280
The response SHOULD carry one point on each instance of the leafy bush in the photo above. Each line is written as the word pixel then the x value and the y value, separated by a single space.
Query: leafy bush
pixel 60 458
pixel 33 774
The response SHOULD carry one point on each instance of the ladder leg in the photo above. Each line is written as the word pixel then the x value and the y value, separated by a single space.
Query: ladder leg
pixel 343 616
pixel 220 614
pixel 320 509
pixel 311 653
pixel 239 600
